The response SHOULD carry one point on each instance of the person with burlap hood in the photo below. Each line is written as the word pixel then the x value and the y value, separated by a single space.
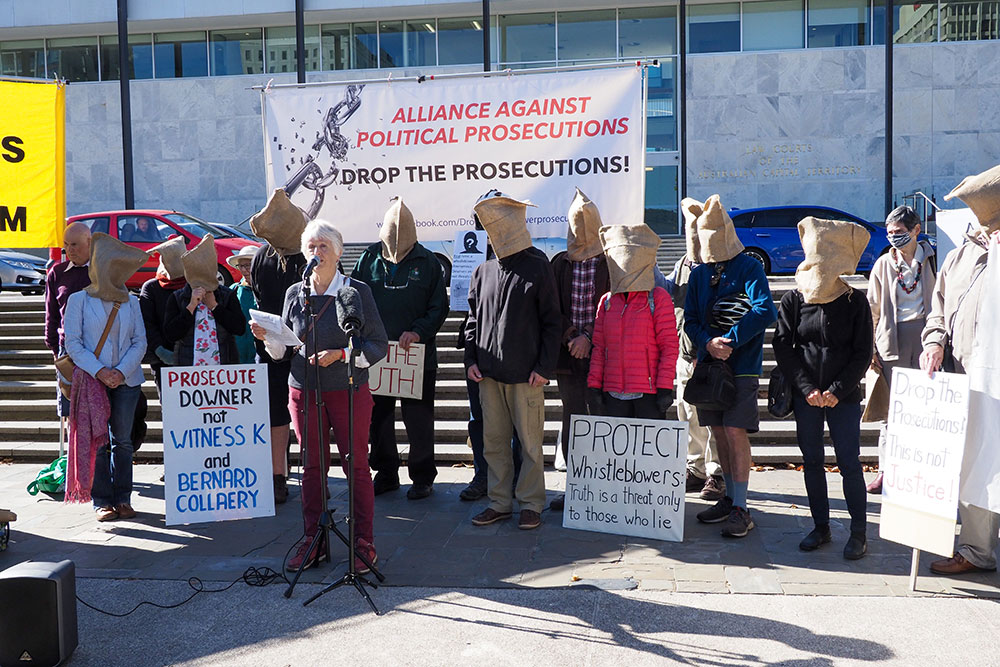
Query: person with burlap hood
pixel 512 346
pixel 153 298
pixel 204 317
pixel 407 282
pixel 277 265
pixel 823 345
pixel 106 340
pixel 948 339
pixel 634 357
pixel 726 312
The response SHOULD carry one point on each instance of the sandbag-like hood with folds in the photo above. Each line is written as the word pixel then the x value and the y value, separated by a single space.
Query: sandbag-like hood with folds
pixel 631 253
pixel 111 264
pixel 832 249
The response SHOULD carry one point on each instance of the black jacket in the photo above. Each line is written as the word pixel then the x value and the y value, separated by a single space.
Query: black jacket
pixel 178 325
pixel 270 278
pixel 825 346
pixel 514 323
pixel 563 270
pixel 153 300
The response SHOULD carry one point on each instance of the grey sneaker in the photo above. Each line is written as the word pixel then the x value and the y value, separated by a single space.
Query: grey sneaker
pixel 717 512
pixel 738 524
pixel 714 488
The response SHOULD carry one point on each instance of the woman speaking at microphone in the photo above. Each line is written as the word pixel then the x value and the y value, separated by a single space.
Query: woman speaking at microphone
pixel 323 245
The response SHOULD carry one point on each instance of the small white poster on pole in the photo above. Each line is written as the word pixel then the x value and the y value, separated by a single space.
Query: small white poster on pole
pixel 953 225
pixel 216 443
pixel 400 374
pixel 922 460
pixel 470 252
pixel 627 477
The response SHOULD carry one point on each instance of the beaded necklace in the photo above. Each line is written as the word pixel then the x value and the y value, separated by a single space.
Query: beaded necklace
pixel 902 282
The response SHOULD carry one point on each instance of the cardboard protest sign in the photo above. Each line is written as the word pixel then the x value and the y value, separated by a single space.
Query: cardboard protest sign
pixel 400 374
pixel 922 461
pixel 953 225
pixel 627 476
pixel 216 443
pixel 470 252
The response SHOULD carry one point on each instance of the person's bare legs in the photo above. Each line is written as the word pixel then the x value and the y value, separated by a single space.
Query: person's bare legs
pixel 734 457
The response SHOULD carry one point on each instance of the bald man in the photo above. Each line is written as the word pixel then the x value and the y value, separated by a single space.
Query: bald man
pixel 62 280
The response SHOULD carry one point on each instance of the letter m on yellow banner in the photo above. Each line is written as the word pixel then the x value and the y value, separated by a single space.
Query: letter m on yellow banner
pixel 32 164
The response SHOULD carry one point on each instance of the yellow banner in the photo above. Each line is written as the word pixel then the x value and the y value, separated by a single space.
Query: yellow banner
pixel 32 165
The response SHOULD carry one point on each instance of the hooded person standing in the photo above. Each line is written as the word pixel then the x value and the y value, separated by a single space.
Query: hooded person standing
pixel 951 326
pixel 581 278
pixel 204 317
pixel 276 266
pixel 512 345
pixel 727 309
pixel 106 340
pixel 153 299
pixel 407 282
pixel 823 345
pixel 634 357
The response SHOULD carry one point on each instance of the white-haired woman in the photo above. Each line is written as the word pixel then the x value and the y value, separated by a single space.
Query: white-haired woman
pixel 322 241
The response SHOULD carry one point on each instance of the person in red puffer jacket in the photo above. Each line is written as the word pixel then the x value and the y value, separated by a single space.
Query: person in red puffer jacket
pixel 635 347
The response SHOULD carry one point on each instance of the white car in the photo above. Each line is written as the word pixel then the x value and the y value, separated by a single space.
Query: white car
pixel 21 272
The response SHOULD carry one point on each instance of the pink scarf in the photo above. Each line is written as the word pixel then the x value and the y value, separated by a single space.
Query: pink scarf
pixel 89 414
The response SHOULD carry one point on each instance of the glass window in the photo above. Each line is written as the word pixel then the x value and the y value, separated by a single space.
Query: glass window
pixel 587 35
pixel 773 24
pixel 73 58
pixel 780 218
pixel 527 37
pixel 23 58
pixel 407 43
pixel 365 45
pixel 646 31
pixel 661 121
pixel 961 21
pixel 713 28
pixel 235 51
pixel 99 224
pixel 143 229
pixel 177 54
pixel 912 23
pixel 336 42
pixel 460 41
pixel 838 23
pixel 283 39
pixel 661 200
pixel 140 57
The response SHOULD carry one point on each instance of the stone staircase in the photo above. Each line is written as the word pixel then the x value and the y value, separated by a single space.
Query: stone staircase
pixel 29 427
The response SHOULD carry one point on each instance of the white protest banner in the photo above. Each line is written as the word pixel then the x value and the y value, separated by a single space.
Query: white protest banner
pixel 216 443
pixel 922 461
pixel 952 227
pixel 627 477
pixel 463 263
pixel 400 374
pixel 341 151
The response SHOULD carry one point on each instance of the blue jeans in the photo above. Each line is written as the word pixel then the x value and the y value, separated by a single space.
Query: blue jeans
pixel 113 467
pixel 476 438
pixel 845 431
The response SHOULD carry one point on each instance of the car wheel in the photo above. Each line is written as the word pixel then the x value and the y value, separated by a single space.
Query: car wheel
pixel 446 265
pixel 761 257
pixel 225 278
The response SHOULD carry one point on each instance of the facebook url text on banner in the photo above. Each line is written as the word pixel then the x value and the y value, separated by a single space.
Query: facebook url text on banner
pixel 469 222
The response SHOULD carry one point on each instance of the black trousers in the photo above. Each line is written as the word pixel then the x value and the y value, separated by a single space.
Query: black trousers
pixel 575 401
pixel 643 407
pixel 418 419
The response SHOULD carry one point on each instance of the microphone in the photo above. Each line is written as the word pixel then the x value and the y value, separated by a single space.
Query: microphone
pixel 310 267
pixel 350 311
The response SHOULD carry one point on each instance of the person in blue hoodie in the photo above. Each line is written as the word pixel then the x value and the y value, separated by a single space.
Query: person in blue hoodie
pixel 727 309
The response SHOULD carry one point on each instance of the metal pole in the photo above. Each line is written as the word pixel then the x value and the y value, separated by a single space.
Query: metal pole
pixel 914 567
pixel 681 101
pixel 300 40
pixel 889 6
pixel 486 35
pixel 126 103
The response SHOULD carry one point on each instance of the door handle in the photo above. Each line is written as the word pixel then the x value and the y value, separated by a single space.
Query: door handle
pixel 762 236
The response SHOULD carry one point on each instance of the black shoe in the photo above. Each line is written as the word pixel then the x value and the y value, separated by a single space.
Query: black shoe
pixel 419 491
pixel 856 547
pixel 473 492
pixel 818 536
pixel 717 512
pixel 558 503
pixel 384 483
pixel 738 524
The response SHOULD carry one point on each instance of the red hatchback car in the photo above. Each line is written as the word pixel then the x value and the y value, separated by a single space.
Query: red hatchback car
pixel 146 228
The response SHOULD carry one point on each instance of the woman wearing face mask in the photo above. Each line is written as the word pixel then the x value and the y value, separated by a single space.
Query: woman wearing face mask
pixel 899 292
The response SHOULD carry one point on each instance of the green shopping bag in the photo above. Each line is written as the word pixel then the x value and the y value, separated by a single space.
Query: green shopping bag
pixel 51 479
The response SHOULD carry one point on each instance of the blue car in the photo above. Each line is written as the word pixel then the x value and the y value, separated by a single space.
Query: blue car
pixel 771 236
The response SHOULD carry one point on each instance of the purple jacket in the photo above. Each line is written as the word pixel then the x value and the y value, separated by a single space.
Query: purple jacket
pixel 62 280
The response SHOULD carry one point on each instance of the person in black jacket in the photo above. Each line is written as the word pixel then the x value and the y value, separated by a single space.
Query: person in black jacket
pixel 153 298
pixel 823 345
pixel 512 343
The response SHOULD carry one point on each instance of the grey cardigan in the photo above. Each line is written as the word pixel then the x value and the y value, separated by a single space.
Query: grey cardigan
pixel 882 298
pixel 373 342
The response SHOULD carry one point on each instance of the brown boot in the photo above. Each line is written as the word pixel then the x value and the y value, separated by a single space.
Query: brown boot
pixel 280 490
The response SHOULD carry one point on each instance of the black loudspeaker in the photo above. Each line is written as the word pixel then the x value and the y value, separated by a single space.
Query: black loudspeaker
pixel 37 614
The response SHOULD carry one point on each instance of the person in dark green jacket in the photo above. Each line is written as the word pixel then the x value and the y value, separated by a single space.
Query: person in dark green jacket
pixel 407 281
pixel 244 294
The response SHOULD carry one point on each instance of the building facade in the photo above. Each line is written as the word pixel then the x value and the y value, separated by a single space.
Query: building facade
pixel 785 99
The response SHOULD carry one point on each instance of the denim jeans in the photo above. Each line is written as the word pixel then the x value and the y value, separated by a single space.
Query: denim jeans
pixel 476 438
pixel 113 467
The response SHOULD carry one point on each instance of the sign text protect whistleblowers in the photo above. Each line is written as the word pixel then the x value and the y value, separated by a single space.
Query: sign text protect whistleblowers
pixel 443 143
pixel 32 164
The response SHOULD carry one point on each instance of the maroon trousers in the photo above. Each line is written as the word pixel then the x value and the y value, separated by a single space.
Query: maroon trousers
pixel 335 416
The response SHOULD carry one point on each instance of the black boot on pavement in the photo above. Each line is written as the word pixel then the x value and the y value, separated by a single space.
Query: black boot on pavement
pixel 818 536
pixel 856 547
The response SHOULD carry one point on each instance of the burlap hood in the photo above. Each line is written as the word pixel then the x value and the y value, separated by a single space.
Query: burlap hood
pixel 280 223
pixel 981 193
pixel 631 253
pixel 170 257
pixel 398 233
pixel 691 210
pixel 583 240
pixel 200 265
pixel 717 240
pixel 111 264
pixel 832 248
pixel 505 221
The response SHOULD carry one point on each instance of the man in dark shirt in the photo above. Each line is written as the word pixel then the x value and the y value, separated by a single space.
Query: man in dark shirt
pixel 512 343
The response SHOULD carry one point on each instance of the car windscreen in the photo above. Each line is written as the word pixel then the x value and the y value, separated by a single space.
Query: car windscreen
pixel 195 226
